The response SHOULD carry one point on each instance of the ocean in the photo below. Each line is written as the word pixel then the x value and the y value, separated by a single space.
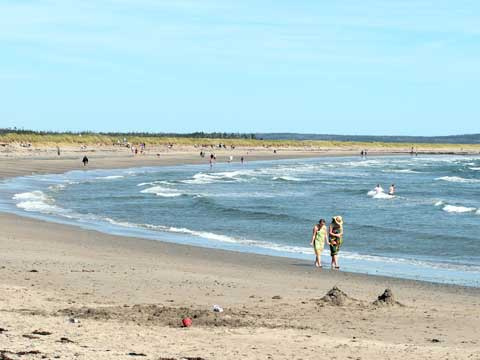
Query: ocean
pixel 430 230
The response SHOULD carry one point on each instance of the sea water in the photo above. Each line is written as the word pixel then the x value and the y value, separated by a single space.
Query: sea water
pixel 430 229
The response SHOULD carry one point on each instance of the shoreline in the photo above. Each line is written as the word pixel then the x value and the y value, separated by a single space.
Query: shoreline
pixel 272 304
pixel 359 267
pixel 54 273
pixel 44 163
pixel 285 264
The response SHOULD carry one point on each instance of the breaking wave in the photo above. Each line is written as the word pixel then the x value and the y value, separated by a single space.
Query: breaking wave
pixel 37 201
pixel 379 195
pixel 458 209
pixel 162 191
pixel 458 179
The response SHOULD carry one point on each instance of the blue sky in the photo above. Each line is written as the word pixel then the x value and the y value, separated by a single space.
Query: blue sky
pixel 344 67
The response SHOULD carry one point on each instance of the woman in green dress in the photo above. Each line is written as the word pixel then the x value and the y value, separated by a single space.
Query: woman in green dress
pixel 336 239
pixel 319 238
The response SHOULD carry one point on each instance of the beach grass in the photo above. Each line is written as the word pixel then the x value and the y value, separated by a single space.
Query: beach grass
pixel 68 139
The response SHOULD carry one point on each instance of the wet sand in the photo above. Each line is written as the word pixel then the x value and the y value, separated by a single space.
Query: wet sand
pixel 99 296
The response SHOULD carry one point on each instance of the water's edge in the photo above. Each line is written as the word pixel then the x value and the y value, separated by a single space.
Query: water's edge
pixel 355 265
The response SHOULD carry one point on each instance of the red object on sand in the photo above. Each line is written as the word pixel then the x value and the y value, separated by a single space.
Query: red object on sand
pixel 187 322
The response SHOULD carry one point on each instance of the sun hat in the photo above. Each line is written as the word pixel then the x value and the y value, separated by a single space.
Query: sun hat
pixel 338 220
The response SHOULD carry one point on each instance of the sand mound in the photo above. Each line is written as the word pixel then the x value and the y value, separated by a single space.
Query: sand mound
pixel 157 314
pixel 387 299
pixel 154 314
pixel 337 297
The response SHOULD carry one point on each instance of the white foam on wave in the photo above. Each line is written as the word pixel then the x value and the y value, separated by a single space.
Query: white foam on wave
pixel 361 163
pixel 286 178
pixel 402 171
pixel 458 209
pixel 57 187
pixel 439 203
pixel 380 195
pixel 275 173
pixel 36 195
pixel 201 179
pixel 155 183
pixel 457 179
pixel 36 201
pixel 162 191
pixel 217 237
pixel 110 177
pixel 475 168
pixel 208 178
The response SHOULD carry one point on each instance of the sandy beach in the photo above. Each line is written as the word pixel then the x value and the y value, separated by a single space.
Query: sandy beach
pixel 70 293
pixel 17 160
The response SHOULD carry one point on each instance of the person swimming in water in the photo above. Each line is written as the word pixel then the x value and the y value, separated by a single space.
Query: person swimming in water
pixel 391 190
pixel 378 189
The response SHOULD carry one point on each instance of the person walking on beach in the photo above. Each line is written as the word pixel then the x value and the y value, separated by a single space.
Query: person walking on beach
pixel 85 160
pixel 335 232
pixel 319 238
pixel 211 160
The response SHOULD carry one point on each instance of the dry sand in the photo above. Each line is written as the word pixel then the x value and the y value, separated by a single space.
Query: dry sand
pixel 70 293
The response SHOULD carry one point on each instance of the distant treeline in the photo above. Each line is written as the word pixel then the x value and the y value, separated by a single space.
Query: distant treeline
pixel 452 139
pixel 194 135
pixel 291 137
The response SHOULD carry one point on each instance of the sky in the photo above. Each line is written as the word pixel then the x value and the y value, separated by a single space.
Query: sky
pixel 396 67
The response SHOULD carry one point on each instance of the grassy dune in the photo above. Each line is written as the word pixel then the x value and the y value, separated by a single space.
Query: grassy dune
pixel 107 140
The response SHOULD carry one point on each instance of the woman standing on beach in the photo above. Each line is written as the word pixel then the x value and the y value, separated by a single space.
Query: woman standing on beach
pixel 319 238
pixel 336 239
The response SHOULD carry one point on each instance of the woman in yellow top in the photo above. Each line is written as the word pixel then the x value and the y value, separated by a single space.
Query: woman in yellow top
pixel 319 238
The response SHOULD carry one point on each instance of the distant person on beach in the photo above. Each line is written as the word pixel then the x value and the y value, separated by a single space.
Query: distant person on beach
pixel 361 153
pixel 242 159
pixel 319 238
pixel 85 160
pixel 391 190
pixel 336 239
